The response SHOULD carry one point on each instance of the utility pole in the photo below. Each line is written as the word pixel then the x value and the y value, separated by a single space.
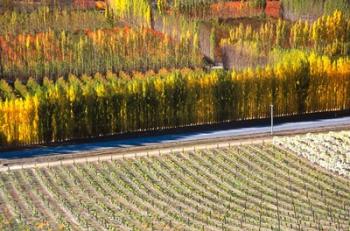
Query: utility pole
pixel 271 119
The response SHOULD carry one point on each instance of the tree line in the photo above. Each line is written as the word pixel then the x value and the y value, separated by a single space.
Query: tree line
pixel 92 106
pixel 54 54
pixel 43 18
pixel 312 9
pixel 329 35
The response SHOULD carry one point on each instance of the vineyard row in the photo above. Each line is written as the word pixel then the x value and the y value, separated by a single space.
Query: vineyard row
pixel 210 189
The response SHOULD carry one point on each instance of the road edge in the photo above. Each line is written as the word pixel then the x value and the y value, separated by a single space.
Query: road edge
pixel 152 149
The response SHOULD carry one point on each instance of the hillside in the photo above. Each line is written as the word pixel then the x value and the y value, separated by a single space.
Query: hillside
pixel 155 115
pixel 247 187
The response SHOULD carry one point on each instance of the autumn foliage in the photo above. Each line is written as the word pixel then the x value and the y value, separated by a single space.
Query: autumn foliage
pixel 55 54
pixel 239 9
pixel 62 81
pixel 112 104
pixel 329 35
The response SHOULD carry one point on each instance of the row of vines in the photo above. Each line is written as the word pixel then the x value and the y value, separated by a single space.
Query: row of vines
pixel 104 105
pixel 203 190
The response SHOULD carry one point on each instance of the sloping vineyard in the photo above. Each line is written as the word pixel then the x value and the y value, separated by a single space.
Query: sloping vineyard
pixel 206 190
pixel 331 151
